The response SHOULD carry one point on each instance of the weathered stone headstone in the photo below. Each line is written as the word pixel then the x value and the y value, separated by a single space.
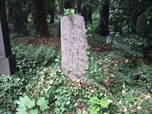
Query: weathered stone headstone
pixel 87 14
pixel 134 18
pixel 104 30
pixel 73 46
pixel 7 60
pixel 139 25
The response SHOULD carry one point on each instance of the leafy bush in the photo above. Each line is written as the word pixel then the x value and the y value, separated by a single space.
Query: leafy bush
pixel 121 12
pixel 145 77
pixel 29 60
pixel 147 31
pixel 64 96
pixel 26 105
pixel 147 22
pixel 98 106
pixel 131 46
pixel 42 87
pixel 40 55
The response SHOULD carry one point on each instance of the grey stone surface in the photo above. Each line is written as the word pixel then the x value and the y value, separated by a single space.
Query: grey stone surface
pixel 7 65
pixel 7 60
pixel 73 46
pixel 139 25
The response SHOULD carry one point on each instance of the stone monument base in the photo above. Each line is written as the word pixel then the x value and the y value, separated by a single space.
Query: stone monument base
pixel 8 65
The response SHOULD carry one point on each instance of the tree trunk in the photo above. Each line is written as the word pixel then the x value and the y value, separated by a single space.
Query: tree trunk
pixel 79 6
pixel 18 18
pixel 10 13
pixel 52 15
pixel 61 7
pixel 68 4
pixel 104 30
pixel 40 19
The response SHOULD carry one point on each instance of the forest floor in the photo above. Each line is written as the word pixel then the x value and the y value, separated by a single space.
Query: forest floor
pixel 127 85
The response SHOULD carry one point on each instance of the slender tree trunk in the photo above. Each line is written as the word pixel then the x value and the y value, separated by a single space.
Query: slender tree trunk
pixel 52 15
pixel 68 4
pixel 18 18
pixel 79 6
pixel 74 4
pixel 104 30
pixel 61 7
pixel 40 19
pixel 10 13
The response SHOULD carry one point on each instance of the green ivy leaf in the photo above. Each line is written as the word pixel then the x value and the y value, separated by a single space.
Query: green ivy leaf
pixel 68 102
pixel 105 102
pixel 34 111
pixel 21 110
pixel 94 110
pixel 26 102
pixel 31 104
pixel 43 103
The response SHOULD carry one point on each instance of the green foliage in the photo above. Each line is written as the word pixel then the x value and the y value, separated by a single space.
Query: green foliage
pixel 63 102
pixel 121 12
pixel 29 60
pixel 130 46
pixel 147 23
pixel 94 71
pixel 50 4
pixel 41 87
pixel 26 105
pixel 147 32
pixel 69 12
pixel 44 55
pixel 25 102
pixel 38 55
pixel 90 31
pixel 52 84
pixel 42 103
pixel 146 77
pixel 53 89
pixel 11 88
pixel 97 105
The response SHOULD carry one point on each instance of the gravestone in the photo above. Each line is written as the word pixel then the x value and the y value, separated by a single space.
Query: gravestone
pixel 104 30
pixel 7 60
pixel 134 18
pixel 139 25
pixel 73 46
pixel 67 5
pixel 87 14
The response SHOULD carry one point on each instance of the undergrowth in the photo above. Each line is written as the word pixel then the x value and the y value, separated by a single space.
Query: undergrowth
pixel 40 87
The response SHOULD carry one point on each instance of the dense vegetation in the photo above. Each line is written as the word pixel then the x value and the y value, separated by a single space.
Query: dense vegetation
pixel 120 68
